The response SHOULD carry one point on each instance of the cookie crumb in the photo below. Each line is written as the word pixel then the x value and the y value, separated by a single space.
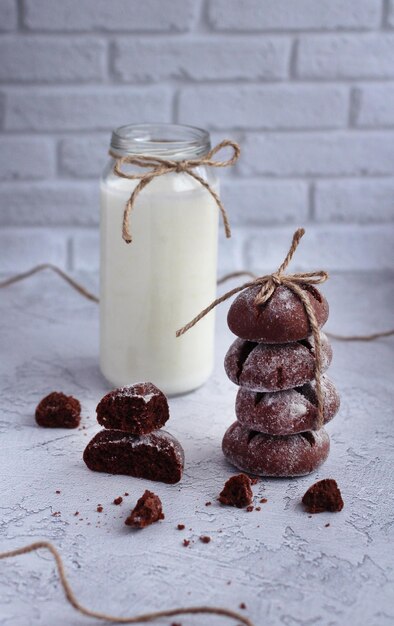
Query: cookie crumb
pixel 327 525
pixel 263 500
pixel 181 527
pixel 118 500
pixel 237 491
pixel 76 513
pixel 242 605
pixel 258 508
pixel 186 542
pixel 57 491
pixel 57 410
pixel 250 508
pixel 56 514
pixel 253 480
pixel 125 493
pixel 99 509
pixel 147 511
pixel 205 539
pixel 323 496
pixel 208 503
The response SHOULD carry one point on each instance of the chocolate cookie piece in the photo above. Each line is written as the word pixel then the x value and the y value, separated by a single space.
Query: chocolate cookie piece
pixel 265 455
pixel 281 319
pixel 147 511
pixel 267 367
pixel 138 409
pixel 285 412
pixel 58 411
pixel 323 496
pixel 157 456
pixel 237 491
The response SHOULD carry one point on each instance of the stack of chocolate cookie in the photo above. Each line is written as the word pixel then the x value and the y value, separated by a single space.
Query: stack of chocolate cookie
pixel 277 432
pixel 132 441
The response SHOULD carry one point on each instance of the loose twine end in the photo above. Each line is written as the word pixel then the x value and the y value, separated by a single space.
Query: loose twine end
pixel 158 166
pixel 135 619
pixel 294 282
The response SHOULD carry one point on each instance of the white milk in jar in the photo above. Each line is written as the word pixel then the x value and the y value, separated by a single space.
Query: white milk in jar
pixel 159 282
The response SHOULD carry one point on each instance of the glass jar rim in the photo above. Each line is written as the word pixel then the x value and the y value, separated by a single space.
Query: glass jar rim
pixel 171 141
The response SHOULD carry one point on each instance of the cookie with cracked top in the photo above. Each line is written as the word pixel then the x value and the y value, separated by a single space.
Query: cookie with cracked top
pixel 281 319
pixel 286 412
pixel 269 367
pixel 266 455
pixel 138 409
pixel 157 456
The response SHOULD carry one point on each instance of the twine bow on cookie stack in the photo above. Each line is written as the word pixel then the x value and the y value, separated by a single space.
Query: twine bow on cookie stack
pixel 294 282
pixel 157 166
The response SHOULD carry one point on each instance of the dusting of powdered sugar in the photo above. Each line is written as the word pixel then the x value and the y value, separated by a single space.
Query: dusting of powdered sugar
pixel 283 299
pixel 160 440
pixel 144 391
pixel 326 350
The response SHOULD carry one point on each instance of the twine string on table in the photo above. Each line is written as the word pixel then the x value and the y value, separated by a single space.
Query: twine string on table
pixel 92 297
pixel 158 166
pixel 268 284
pixel 48 266
pixel 135 619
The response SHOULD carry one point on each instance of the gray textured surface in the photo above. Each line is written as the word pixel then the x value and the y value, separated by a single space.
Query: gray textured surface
pixel 288 568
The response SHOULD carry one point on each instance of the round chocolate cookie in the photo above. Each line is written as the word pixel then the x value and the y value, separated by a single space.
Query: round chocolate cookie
pixel 279 320
pixel 285 412
pixel 265 455
pixel 268 367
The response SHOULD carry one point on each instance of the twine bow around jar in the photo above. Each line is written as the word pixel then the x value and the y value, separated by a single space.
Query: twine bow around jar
pixel 269 283
pixel 158 166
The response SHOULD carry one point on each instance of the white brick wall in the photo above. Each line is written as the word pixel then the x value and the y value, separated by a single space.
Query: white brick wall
pixel 305 86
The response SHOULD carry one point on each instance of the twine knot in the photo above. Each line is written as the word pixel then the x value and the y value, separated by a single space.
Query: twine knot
pixel 158 166
pixel 269 284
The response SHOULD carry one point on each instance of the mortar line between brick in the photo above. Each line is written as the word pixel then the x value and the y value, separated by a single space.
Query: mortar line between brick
pixel 70 260
pixel 292 70
pixel 385 15
pixel 311 201
pixel 20 13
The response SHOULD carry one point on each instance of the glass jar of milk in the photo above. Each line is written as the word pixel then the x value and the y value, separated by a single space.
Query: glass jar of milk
pixel 160 281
